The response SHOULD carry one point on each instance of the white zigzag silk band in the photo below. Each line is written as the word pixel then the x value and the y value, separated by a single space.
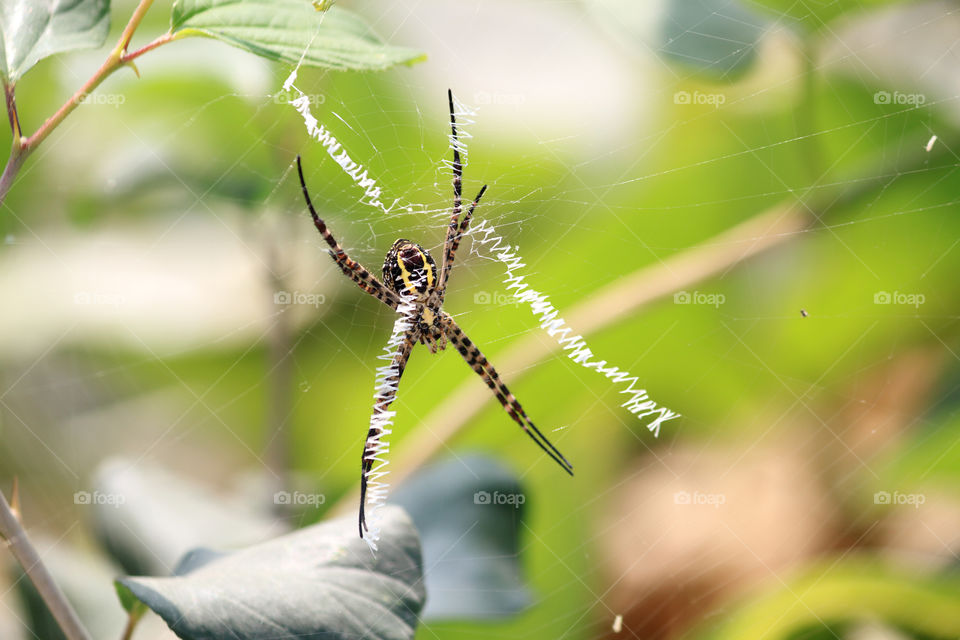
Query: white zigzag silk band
pixel 639 403
pixel 371 191
pixel 381 420
pixel 489 244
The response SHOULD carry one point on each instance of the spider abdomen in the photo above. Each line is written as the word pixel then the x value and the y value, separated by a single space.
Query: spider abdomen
pixel 408 269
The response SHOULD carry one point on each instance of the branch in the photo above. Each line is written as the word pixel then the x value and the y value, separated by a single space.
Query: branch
pixel 117 58
pixel 600 311
pixel 12 531
pixel 133 618
pixel 8 91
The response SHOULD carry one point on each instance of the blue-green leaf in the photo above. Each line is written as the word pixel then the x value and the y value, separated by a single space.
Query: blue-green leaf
pixel 715 37
pixel 32 30
pixel 469 511
pixel 318 582
pixel 155 516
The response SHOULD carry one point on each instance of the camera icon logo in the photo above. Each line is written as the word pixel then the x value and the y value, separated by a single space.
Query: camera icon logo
pixel 282 297
pixel 481 497
pixel 681 97
pixel 681 497
pixel 881 97
pixel 82 497
pixel 881 497
pixel 882 297
pixel 282 497
pixel 482 297
pixel 681 297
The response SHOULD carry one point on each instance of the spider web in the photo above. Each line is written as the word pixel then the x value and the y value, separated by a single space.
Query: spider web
pixel 591 129
pixel 492 241
pixel 489 243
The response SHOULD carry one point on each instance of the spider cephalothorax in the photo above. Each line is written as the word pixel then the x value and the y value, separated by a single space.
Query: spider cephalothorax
pixel 409 271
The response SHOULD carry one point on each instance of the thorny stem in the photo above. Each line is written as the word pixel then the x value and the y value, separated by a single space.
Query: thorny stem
pixel 132 25
pixel 16 538
pixel 12 115
pixel 16 158
pixel 24 146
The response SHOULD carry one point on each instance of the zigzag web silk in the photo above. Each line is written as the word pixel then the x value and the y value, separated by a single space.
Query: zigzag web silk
pixel 381 420
pixel 487 243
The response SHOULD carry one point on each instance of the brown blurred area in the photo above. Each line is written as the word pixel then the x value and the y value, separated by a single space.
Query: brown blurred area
pixel 694 530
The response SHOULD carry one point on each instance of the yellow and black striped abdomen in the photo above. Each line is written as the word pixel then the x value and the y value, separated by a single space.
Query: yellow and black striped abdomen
pixel 408 269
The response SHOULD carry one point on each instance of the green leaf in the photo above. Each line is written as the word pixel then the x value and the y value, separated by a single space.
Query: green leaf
pixel 469 511
pixel 848 590
pixel 291 31
pixel 33 30
pixel 128 601
pixel 813 16
pixel 318 582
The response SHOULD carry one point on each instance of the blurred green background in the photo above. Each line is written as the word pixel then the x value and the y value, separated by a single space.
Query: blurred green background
pixel 145 241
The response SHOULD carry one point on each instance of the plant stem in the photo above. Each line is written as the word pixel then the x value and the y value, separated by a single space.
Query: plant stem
pixel 156 42
pixel 23 147
pixel 16 538
pixel 132 25
pixel 13 167
pixel 133 618
pixel 8 91
pixel 117 58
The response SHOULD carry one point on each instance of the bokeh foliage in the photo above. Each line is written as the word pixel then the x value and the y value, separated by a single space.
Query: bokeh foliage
pixel 882 219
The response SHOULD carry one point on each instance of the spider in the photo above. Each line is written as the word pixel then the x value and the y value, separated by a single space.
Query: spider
pixel 409 272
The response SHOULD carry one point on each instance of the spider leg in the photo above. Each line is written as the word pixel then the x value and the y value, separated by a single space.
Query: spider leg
pixel 479 363
pixel 457 165
pixel 452 243
pixel 350 267
pixel 383 402
pixel 366 280
pixel 457 192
